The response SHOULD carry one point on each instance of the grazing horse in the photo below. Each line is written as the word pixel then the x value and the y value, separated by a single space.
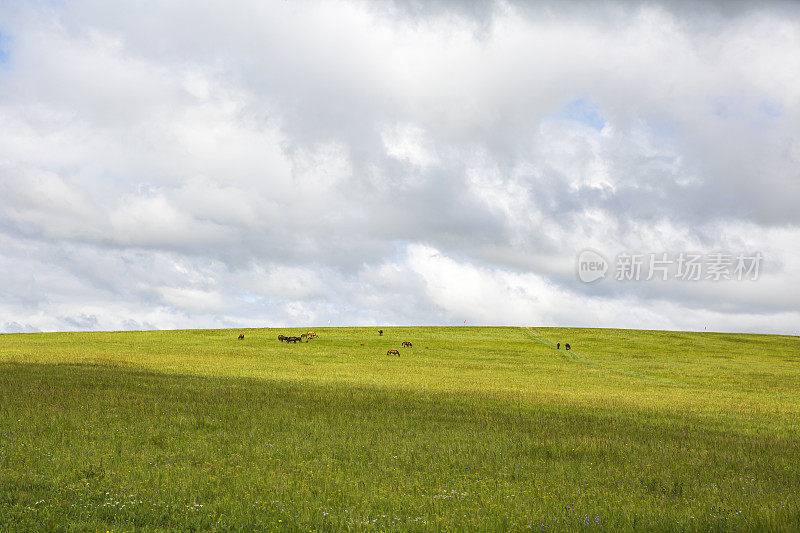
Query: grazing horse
pixel 312 335
pixel 406 343
pixel 380 332
pixel 293 339
pixel 558 346
pixel 393 352
pixel 281 338
pixel 567 346
pixel 241 336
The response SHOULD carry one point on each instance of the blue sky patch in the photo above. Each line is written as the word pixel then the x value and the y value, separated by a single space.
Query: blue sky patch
pixel 583 110
pixel 771 109
pixel 3 48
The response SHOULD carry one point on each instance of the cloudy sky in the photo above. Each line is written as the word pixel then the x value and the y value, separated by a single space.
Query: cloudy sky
pixel 193 164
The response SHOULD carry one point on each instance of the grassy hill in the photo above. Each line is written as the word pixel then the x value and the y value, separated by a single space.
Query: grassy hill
pixel 473 428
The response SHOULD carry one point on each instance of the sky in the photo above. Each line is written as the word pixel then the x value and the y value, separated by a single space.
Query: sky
pixel 175 164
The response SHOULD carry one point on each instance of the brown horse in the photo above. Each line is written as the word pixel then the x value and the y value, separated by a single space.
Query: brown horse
pixel 393 352
pixel 241 336
pixel 407 344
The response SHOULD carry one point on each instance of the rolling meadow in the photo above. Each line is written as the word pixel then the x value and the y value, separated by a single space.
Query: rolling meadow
pixel 471 429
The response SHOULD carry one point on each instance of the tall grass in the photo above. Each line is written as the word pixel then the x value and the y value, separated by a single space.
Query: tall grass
pixel 472 429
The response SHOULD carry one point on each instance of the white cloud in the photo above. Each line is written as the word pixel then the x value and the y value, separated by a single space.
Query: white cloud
pixel 372 163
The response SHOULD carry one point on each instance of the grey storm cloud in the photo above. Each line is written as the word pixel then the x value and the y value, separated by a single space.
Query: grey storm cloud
pixel 174 164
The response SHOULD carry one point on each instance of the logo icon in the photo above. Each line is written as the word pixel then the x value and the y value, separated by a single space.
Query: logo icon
pixel 591 266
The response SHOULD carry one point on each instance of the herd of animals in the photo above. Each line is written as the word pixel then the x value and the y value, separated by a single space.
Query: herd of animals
pixel 305 337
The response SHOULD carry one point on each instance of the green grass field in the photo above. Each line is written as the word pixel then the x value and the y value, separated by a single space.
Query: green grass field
pixel 473 429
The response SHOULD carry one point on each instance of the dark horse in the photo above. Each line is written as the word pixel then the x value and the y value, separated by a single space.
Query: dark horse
pixel 393 352
pixel 241 336
pixel 567 346
pixel 406 343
